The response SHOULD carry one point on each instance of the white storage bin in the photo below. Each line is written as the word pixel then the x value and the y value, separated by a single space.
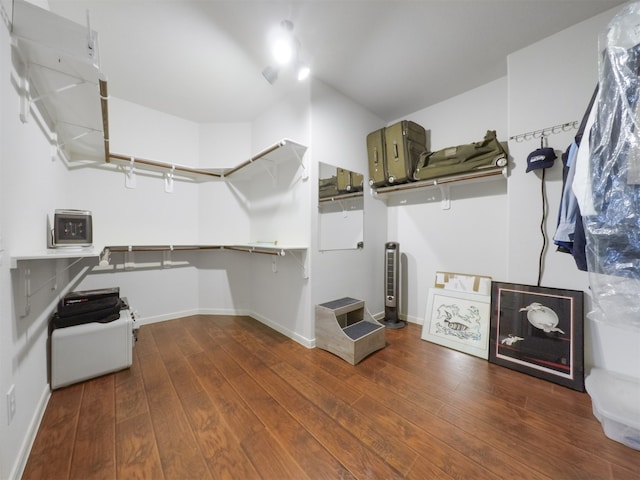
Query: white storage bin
pixel 86 351
pixel 616 404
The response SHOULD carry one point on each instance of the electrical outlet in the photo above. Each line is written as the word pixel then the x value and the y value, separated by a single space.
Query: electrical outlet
pixel 11 404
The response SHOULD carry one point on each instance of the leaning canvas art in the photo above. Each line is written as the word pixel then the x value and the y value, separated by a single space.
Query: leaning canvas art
pixel 458 320
pixel 538 331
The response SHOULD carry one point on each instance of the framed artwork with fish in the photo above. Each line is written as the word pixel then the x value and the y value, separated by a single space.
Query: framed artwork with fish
pixel 458 320
pixel 538 331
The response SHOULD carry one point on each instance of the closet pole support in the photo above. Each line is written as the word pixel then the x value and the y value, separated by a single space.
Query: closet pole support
pixel 302 261
pixel 305 173
pixel 445 195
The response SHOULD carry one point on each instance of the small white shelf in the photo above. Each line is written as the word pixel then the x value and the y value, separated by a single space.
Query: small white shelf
pixel 55 254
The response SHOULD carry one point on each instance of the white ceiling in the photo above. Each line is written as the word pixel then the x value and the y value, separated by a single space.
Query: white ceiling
pixel 202 60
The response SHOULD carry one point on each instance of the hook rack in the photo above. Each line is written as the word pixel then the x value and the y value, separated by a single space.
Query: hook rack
pixel 545 132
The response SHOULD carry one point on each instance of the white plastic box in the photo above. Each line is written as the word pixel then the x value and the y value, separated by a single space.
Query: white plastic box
pixel 616 404
pixel 86 351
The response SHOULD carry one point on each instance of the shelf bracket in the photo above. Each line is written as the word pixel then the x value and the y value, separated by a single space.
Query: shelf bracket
pixel 445 196
pixel 168 180
pixel 25 95
pixel 129 259
pixel 302 261
pixel 305 173
pixel 130 174
pixel 271 169
pixel 166 257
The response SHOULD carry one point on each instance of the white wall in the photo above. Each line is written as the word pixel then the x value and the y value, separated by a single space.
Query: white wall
pixel 556 90
pixel 279 205
pixel 490 228
pixel 223 218
pixel 471 236
pixel 339 130
pixel 30 182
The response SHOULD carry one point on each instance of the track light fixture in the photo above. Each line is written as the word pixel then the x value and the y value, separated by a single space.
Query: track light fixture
pixel 285 49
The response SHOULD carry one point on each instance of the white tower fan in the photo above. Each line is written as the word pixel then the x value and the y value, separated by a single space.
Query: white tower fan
pixel 392 285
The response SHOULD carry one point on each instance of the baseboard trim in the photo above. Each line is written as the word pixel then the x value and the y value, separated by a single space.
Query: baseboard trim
pixel 306 342
pixel 30 437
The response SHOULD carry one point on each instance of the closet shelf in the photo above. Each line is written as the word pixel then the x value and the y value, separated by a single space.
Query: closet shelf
pixel 489 174
pixel 345 196
pixel 62 78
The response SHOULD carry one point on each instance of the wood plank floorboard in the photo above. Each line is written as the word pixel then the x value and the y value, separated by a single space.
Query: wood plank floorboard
pixel 226 397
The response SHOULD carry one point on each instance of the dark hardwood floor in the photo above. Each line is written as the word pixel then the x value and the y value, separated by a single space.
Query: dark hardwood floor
pixel 226 397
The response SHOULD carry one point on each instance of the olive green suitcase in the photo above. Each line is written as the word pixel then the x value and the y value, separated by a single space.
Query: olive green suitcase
pixel 328 187
pixel 349 181
pixel 357 182
pixel 405 141
pixel 376 154
pixel 462 158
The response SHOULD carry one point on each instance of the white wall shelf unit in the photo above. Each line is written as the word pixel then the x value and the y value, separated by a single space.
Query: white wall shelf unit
pixel 299 253
pixel 443 184
pixel 62 79
pixel 283 151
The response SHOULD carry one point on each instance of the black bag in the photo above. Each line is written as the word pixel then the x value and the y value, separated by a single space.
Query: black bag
pixel 87 306
pixel 103 315
pixel 463 158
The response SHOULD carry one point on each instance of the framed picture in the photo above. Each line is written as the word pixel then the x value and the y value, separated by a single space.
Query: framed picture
pixel 458 320
pixel 538 331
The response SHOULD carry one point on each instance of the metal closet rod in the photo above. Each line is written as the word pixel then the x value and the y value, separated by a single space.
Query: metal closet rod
pixel 153 163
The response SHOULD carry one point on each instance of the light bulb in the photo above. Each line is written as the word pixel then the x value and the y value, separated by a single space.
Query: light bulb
pixel 303 71
pixel 282 50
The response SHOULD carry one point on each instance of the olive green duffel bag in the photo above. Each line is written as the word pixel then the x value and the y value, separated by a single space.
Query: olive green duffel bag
pixel 463 158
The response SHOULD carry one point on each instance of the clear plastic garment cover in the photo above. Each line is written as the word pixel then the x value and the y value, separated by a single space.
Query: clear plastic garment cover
pixel 612 215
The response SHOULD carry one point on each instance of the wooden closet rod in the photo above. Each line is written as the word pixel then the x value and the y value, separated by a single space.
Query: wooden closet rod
pixel 153 163
pixel 104 97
